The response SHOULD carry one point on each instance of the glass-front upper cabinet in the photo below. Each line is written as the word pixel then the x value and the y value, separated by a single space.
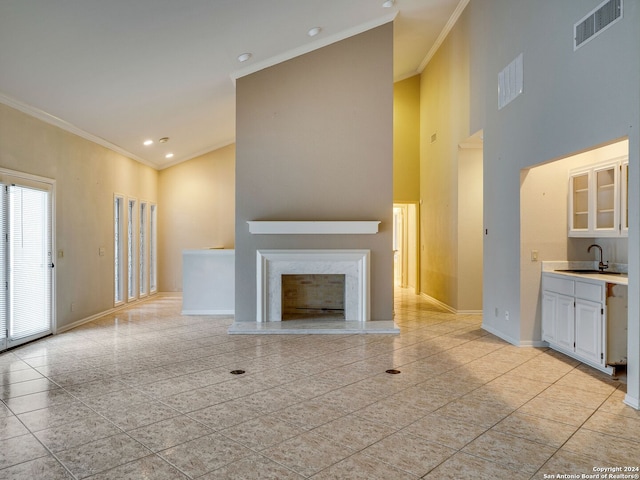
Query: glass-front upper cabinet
pixel 579 202
pixel 597 200
pixel 624 198
pixel 606 200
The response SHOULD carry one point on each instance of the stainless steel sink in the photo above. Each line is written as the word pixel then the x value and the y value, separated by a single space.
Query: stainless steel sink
pixel 589 271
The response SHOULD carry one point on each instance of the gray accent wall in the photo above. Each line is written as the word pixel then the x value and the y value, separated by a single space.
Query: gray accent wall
pixel 315 142
pixel 572 101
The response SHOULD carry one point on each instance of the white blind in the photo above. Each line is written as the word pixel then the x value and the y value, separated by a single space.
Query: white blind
pixel 29 262
pixel 142 246
pixel 131 264
pixel 153 247
pixel 4 267
pixel 117 248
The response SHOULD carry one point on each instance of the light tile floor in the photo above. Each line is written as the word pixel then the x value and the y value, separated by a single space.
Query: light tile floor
pixel 147 394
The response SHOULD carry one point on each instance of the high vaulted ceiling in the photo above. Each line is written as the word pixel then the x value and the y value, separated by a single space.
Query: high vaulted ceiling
pixel 120 72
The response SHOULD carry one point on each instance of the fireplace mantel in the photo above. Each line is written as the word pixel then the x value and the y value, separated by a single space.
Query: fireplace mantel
pixel 313 227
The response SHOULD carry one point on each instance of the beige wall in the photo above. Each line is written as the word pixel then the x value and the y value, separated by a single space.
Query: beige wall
pixel 406 140
pixel 450 179
pixel 87 176
pixel 198 210
pixel 315 142
pixel 470 230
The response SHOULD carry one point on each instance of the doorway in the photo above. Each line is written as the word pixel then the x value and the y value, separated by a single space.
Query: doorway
pixel 405 245
pixel 26 261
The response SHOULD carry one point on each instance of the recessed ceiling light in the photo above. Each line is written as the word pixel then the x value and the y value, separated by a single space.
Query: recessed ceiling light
pixel 314 31
pixel 244 57
pixel 388 4
pixel 164 140
pixel 169 155
pixel 148 142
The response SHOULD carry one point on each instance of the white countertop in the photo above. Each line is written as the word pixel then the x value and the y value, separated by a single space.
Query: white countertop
pixel 619 279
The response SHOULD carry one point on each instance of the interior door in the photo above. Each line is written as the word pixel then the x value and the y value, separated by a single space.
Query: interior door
pixel 26 283
pixel 398 245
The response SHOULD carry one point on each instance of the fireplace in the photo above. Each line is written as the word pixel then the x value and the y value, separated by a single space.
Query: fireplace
pixel 313 297
pixel 343 271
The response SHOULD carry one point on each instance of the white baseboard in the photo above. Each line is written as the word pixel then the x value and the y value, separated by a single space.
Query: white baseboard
pixel 91 318
pixel 208 312
pixel 500 334
pixel 449 308
pixel 533 344
pixel 632 402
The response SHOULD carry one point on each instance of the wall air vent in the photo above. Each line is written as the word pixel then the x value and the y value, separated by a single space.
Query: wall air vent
pixel 510 82
pixel 596 22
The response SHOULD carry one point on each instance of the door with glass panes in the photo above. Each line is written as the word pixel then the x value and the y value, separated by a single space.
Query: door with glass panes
pixel 26 262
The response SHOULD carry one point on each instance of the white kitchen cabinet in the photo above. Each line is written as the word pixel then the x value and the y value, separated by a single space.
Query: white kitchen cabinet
pixel 558 323
pixel 558 319
pixel 596 204
pixel 565 324
pixel 588 330
pixel 624 197
pixel 549 316
pixel 573 318
pixel 579 201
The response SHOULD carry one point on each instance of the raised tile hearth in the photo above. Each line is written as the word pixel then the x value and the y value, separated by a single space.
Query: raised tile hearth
pixel 311 327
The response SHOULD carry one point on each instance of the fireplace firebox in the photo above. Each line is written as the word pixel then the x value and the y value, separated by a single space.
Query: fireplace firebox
pixel 313 296
pixel 351 265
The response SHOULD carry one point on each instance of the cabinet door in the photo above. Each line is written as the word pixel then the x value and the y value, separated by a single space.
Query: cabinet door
pixel 606 200
pixel 624 198
pixel 564 322
pixel 579 201
pixel 588 336
pixel 549 302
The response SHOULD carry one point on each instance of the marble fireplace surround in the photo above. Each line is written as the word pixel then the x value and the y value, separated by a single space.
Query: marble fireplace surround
pixel 272 264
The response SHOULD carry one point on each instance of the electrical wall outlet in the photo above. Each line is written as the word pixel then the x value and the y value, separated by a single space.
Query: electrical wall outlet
pixel 506 315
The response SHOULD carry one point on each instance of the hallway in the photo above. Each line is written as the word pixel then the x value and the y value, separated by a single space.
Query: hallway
pixel 148 393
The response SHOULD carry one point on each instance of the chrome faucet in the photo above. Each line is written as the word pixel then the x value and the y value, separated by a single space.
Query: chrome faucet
pixel 601 266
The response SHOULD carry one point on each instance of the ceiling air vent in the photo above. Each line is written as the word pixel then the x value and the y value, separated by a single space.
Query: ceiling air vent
pixel 596 21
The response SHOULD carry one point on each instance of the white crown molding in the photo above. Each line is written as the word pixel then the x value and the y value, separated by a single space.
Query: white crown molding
pixel 309 47
pixel 443 34
pixel 400 78
pixel 68 127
